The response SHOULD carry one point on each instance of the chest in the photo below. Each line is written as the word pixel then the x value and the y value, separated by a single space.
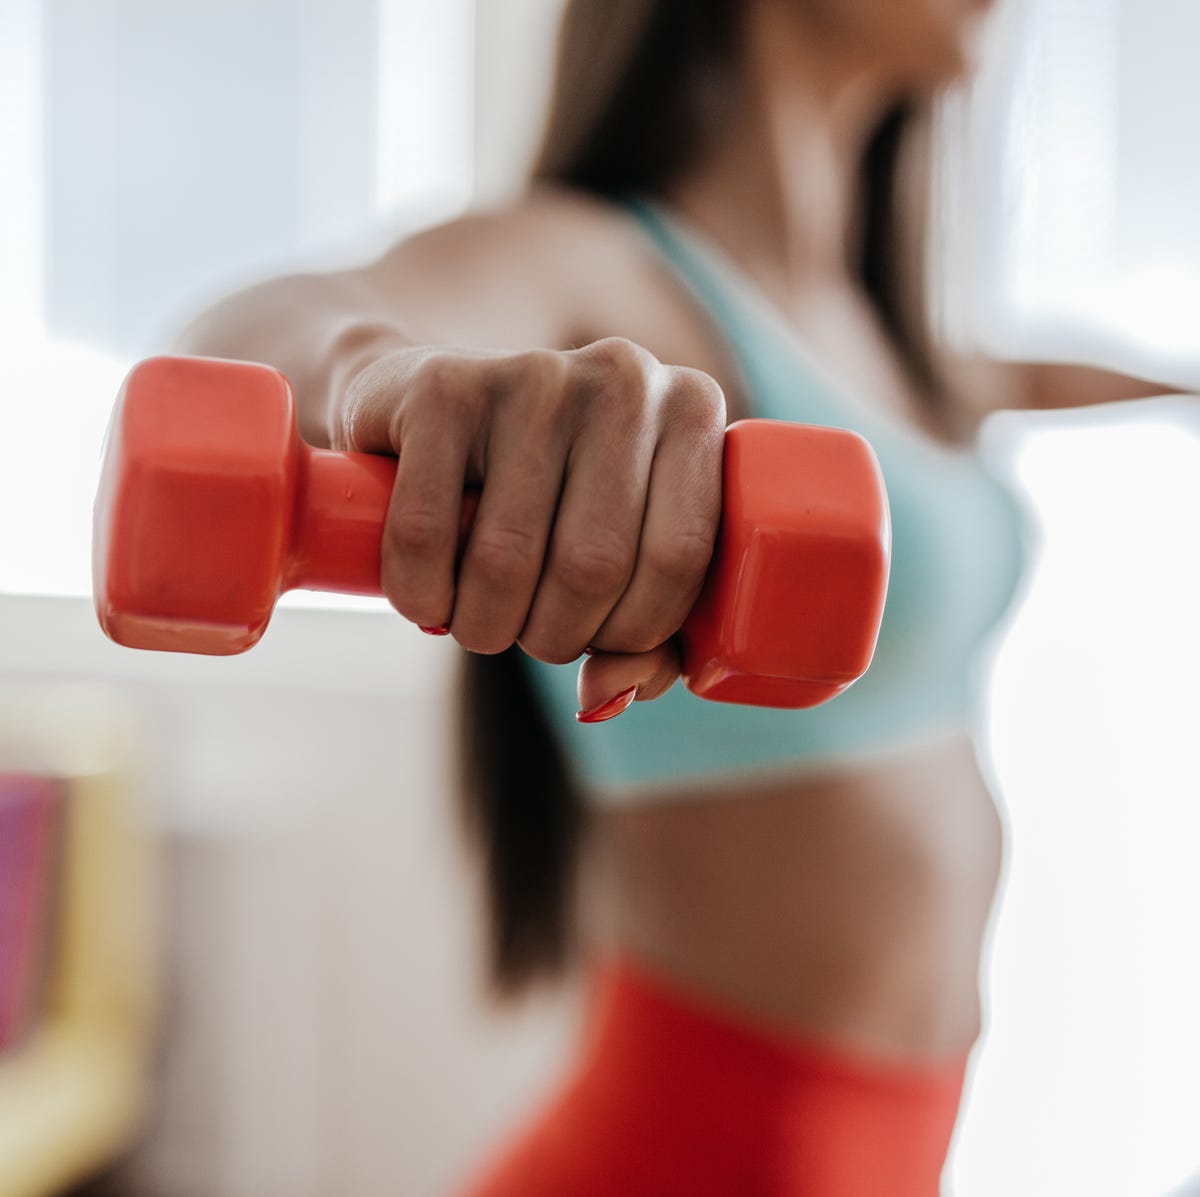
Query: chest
pixel 834 321
pixel 844 334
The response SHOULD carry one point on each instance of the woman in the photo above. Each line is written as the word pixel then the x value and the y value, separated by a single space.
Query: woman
pixel 789 905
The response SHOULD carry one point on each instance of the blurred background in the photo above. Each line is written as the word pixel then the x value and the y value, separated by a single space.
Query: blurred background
pixel 320 1025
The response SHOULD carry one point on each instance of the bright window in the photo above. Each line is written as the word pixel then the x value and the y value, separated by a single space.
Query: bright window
pixel 1079 237
pixel 156 155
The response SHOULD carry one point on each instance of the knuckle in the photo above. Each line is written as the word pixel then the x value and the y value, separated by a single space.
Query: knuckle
pixel 596 567
pixel 434 375
pixel 426 609
pixel 417 533
pixel 446 385
pixel 504 557
pixel 442 392
pixel 640 639
pixel 362 393
pixel 696 399
pixel 485 642
pixel 684 556
pixel 541 385
pixel 618 377
pixel 547 649
pixel 344 436
pixel 545 369
pixel 619 357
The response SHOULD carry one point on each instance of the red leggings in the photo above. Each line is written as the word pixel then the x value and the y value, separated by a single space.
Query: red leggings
pixel 675 1099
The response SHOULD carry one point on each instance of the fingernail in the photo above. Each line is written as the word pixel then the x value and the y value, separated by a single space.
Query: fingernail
pixel 443 629
pixel 589 651
pixel 608 710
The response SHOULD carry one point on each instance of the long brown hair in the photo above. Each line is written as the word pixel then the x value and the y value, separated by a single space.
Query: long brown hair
pixel 639 88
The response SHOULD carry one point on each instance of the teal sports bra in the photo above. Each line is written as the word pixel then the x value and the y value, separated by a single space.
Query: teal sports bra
pixel 957 557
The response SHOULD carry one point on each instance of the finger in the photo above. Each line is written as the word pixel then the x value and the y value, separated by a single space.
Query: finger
pixel 376 394
pixel 604 677
pixel 522 477
pixel 593 544
pixel 682 516
pixel 432 431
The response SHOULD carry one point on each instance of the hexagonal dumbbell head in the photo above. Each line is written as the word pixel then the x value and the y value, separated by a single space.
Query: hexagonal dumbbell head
pixel 193 511
pixel 210 506
pixel 791 609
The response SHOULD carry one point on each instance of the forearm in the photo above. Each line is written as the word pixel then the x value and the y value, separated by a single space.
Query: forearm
pixel 493 281
pixel 315 328
pixel 1050 386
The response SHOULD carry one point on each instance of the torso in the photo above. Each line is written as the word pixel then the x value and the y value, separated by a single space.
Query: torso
pixel 853 903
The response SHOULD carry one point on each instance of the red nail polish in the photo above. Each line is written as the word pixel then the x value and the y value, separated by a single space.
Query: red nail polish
pixel 443 629
pixel 608 710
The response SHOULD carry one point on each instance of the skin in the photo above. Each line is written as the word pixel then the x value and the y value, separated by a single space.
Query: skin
pixel 543 348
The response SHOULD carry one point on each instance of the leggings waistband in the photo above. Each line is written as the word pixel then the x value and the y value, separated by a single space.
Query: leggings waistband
pixel 674 1096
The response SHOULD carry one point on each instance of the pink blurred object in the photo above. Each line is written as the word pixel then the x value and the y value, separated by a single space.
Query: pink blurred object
pixel 30 817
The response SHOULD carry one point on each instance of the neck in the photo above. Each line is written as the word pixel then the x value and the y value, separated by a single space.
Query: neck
pixel 779 186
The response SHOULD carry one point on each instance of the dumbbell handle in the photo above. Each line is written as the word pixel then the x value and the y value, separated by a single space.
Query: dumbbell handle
pixel 341 503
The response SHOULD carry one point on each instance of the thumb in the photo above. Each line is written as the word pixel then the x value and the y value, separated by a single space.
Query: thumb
pixel 609 682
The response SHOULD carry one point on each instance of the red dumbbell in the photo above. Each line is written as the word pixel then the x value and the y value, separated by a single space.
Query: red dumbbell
pixel 210 507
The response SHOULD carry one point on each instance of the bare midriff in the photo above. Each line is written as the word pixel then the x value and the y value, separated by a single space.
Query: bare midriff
pixel 851 905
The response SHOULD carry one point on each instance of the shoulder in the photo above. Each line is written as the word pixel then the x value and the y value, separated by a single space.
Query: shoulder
pixel 551 233
pixel 574 266
pixel 632 291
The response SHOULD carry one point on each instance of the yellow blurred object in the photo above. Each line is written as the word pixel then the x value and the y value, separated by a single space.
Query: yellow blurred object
pixel 73 1095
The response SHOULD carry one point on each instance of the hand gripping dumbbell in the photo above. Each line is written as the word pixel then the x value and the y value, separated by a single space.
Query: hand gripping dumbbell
pixel 210 506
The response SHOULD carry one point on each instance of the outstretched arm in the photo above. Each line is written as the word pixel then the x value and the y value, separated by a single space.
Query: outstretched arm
pixel 1048 386
pixel 485 281
pixel 599 467
pixel 1058 386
